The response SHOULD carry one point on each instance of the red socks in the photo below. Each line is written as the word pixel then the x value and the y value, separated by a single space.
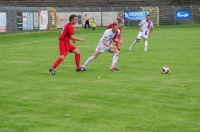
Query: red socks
pixel 117 44
pixel 77 60
pixel 58 61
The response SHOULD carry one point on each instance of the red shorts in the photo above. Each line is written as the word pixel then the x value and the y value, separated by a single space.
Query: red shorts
pixel 65 47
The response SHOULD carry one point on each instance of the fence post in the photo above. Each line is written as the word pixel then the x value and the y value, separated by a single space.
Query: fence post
pixel 77 9
pixel 157 13
pixel 191 14
pixel 87 8
pixel 174 15
pixel 127 10
pixel 112 8
pixel 142 8
pixel 99 9
pixel 101 16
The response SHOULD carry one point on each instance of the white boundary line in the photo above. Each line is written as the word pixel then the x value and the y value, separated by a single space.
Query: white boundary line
pixel 46 40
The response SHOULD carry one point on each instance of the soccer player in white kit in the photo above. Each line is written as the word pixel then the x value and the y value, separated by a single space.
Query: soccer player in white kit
pixel 146 29
pixel 105 43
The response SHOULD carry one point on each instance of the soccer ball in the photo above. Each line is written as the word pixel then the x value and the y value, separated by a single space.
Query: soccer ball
pixel 165 70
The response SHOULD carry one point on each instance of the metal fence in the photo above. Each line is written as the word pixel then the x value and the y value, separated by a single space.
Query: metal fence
pixel 13 19
pixel 168 15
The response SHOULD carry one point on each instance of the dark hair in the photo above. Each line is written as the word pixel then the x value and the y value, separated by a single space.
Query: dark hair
pixel 114 24
pixel 72 17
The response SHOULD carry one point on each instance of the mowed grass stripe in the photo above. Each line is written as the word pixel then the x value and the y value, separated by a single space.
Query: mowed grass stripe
pixel 136 98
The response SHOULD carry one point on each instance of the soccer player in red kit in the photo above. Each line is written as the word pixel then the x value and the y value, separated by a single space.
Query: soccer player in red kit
pixel 65 47
pixel 116 38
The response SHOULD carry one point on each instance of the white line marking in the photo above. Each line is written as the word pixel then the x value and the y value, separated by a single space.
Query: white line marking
pixel 56 39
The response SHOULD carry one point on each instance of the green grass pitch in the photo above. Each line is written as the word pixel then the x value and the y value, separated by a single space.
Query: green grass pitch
pixel 136 98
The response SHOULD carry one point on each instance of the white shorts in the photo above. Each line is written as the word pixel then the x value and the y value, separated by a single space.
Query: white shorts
pixel 101 48
pixel 142 35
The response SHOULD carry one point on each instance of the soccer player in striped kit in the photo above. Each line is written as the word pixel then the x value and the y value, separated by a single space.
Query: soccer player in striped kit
pixel 105 44
pixel 116 38
pixel 146 29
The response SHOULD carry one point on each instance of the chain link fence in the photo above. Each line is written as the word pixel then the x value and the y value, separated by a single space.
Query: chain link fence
pixel 169 15
pixel 23 19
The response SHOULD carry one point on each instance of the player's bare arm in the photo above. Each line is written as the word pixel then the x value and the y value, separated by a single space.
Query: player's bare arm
pixel 108 45
pixel 140 28
pixel 120 38
pixel 74 38
pixel 150 32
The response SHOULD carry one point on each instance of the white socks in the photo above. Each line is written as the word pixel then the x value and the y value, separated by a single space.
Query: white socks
pixel 115 58
pixel 146 45
pixel 134 42
pixel 88 61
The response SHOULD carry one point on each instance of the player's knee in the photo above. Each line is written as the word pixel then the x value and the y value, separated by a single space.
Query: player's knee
pixel 62 57
pixel 116 51
pixel 95 56
pixel 77 51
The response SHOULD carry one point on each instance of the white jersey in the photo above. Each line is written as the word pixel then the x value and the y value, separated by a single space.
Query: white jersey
pixel 145 26
pixel 108 36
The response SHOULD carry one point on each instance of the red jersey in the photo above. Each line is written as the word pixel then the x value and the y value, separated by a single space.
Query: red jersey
pixel 110 26
pixel 66 33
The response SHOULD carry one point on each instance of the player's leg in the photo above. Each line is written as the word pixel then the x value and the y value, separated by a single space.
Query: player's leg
pixel 117 44
pixel 75 50
pixel 95 55
pixel 145 44
pixel 93 28
pixel 85 24
pixel 77 58
pixel 134 42
pixel 56 64
pixel 114 59
pixel 58 61
pixel 63 53
pixel 99 49
pixel 88 24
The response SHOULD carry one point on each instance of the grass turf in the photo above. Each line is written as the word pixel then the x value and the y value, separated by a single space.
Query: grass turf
pixel 136 98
